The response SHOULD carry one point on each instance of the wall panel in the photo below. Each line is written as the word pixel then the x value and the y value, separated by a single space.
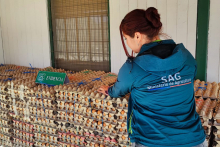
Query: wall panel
pixel 178 18
pixel 25 32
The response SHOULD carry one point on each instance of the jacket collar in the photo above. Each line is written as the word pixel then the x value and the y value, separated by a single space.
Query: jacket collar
pixel 154 63
pixel 145 47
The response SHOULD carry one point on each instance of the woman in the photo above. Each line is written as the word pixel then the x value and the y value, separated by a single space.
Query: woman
pixel 161 110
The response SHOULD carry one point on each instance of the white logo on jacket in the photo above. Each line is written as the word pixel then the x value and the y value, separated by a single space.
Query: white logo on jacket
pixel 171 78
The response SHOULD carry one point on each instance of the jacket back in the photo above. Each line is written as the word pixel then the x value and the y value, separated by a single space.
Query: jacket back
pixel 161 108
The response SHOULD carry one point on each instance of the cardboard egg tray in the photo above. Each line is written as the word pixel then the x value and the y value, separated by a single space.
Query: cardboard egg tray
pixel 206 89
pixel 6 131
pixel 73 114
pixel 205 108
pixel 93 112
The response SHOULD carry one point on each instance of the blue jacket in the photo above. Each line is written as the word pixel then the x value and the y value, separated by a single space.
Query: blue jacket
pixel 161 109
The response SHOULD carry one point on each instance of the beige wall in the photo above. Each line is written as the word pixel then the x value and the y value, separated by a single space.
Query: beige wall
pixel 1 49
pixel 25 29
pixel 178 18
pixel 25 32
pixel 213 70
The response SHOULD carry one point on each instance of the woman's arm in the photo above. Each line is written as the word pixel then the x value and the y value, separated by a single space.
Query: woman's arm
pixel 123 84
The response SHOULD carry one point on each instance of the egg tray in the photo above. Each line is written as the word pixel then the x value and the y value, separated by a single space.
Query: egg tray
pixel 37 94
pixel 207 111
pixel 45 130
pixel 38 120
pixel 6 144
pixel 33 100
pixel 94 135
pixel 206 90
pixel 63 107
pixel 42 106
pixel 45 144
pixel 23 135
pixel 63 144
pixel 49 138
pixel 21 142
pixel 6 130
pixel 44 111
pixel 29 131
pixel 4 123
pixel 6 110
pixel 5 118
pixel 71 139
pixel 91 127
pixel 43 122
pixel 23 131
pixel 6 137
pixel 70 128
pixel 5 98
pixel 95 144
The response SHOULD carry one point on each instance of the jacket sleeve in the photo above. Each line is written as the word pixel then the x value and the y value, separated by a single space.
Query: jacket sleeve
pixel 124 82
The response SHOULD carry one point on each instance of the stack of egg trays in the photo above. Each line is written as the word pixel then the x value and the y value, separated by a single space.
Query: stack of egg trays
pixel 114 117
pixel 21 137
pixel 42 109
pixel 5 118
pixel 69 118
pixel 206 90
pixel 5 129
pixel 216 124
pixel 102 116
pixel 204 108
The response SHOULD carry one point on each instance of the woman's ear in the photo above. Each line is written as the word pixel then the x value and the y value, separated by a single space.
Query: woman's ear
pixel 138 37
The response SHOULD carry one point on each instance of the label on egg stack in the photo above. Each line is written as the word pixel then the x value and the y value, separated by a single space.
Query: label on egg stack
pixel 51 78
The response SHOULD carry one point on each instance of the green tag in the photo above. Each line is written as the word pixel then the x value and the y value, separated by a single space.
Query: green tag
pixel 86 71
pixel 51 78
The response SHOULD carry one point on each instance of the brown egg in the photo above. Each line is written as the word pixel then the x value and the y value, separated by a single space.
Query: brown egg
pixel 122 112
pixel 123 137
pixel 99 112
pixel 205 127
pixel 123 124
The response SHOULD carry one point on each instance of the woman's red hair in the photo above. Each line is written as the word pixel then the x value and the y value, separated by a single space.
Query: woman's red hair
pixel 145 22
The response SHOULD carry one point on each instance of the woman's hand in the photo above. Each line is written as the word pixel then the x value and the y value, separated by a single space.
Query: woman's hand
pixel 103 89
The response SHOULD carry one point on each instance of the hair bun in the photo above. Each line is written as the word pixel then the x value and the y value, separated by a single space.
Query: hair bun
pixel 153 17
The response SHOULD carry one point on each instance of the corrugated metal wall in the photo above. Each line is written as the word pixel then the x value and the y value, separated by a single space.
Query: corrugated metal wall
pixel 25 32
pixel 178 18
